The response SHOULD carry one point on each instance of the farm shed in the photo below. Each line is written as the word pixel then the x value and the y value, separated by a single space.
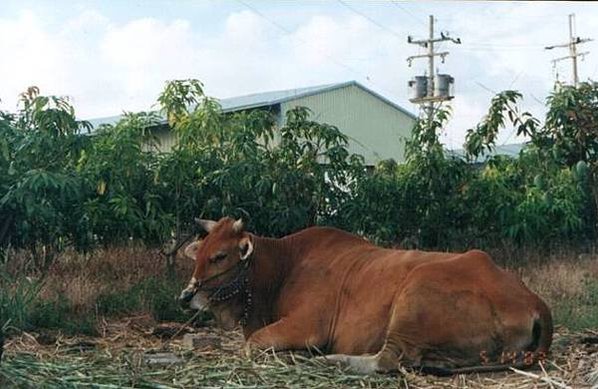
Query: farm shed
pixel 377 128
pixel 510 150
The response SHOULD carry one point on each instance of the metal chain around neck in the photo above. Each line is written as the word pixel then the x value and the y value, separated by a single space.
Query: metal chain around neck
pixel 229 290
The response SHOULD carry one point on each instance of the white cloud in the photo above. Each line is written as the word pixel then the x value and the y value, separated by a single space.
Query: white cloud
pixel 141 54
pixel 28 51
pixel 244 28
pixel 86 22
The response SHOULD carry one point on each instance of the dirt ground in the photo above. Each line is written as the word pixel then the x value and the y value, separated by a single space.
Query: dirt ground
pixel 138 352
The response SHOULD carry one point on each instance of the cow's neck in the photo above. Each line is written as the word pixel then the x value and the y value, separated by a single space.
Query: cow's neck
pixel 271 261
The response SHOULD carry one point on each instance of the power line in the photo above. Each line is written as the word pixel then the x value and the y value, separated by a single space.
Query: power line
pixel 371 20
pixel 326 55
pixel 494 49
pixel 507 45
pixel 290 32
pixel 487 89
pixel 413 16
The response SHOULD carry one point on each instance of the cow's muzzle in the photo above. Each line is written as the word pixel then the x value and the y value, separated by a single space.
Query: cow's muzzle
pixel 186 297
pixel 188 293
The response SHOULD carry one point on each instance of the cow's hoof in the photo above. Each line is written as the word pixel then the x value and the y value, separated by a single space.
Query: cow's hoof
pixel 248 351
pixel 365 364
pixel 325 360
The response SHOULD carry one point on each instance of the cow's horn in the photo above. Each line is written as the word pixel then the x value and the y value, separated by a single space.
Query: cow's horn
pixel 207 225
pixel 238 225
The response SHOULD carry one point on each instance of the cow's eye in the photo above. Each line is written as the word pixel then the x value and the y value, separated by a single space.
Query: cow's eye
pixel 218 257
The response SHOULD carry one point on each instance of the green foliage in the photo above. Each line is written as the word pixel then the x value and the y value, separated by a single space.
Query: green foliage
pixel 545 195
pixel 61 186
pixel 571 123
pixel 40 146
pixel 237 164
pixel 482 138
pixel 418 201
pixel 571 138
pixel 513 199
pixel 117 170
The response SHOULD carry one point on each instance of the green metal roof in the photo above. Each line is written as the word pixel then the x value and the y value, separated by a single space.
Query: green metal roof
pixel 510 150
pixel 96 122
pixel 267 99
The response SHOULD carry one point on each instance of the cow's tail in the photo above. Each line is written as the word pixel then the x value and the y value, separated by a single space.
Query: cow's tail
pixel 542 329
pixel 538 349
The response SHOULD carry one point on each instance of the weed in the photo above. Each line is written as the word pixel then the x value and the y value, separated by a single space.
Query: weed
pixel 155 295
pixel 58 314
pixel 580 313
pixel 17 297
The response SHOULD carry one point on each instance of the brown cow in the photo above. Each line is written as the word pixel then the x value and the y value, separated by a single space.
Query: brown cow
pixel 371 307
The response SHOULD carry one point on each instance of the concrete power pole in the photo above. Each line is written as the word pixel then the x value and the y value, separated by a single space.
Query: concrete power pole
pixel 572 45
pixel 425 90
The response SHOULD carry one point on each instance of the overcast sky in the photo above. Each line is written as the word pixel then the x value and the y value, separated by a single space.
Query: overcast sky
pixel 111 56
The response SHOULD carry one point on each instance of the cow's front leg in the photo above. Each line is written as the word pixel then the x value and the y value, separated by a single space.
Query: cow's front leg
pixel 285 334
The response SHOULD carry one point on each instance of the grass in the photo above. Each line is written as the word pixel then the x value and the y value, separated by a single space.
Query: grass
pixel 154 295
pixel 569 287
pixel 579 314
pixel 58 314
pixel 17 297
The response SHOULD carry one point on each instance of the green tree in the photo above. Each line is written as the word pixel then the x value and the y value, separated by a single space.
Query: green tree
pixel 40 189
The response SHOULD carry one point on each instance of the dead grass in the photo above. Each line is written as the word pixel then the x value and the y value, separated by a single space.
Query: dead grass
pixel 569 286
pixel 557 279
pixel 118 358
pixel 79 278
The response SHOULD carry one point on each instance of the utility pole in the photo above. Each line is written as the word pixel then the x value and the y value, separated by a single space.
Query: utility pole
pixel 425 90
pixel 572 45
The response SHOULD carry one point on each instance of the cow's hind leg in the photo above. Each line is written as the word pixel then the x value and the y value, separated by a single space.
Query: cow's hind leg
pixel 363 364
pixel 385 361
pixel 397 348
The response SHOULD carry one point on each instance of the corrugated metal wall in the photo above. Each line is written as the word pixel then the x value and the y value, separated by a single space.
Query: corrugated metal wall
pixel 166 138
pixel 377 130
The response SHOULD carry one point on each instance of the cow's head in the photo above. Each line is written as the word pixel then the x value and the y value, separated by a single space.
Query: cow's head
pixel 218 260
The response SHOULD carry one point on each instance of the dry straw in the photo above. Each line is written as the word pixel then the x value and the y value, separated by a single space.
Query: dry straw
pixel 116 360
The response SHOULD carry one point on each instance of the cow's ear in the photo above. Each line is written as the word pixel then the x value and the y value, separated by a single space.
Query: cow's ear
pixel 191 249
pixel 207 225
pixel 238 226
pixel 246 248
